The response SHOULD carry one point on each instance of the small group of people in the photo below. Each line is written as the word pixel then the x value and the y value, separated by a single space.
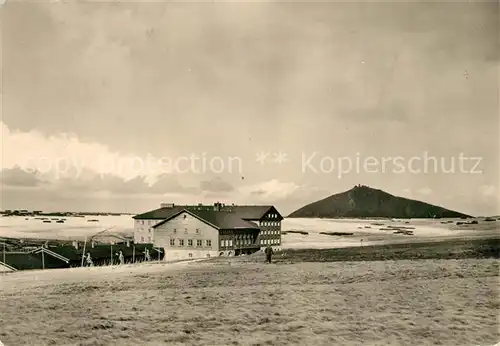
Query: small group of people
pixel 121 259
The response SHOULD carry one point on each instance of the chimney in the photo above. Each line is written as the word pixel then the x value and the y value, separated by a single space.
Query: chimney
pixel 75 244
pixel 128 242
pixel 217 206
pixel 93 244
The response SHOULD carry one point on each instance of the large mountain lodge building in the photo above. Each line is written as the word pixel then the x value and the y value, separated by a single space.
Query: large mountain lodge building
pixel 207 231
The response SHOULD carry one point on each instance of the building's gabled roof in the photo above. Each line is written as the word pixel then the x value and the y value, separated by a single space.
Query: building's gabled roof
pixel 216 219
pixel 249 212
pixel 245 212
pixel 159 214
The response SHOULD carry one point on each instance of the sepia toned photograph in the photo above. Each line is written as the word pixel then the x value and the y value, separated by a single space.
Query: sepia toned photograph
pixel 249 172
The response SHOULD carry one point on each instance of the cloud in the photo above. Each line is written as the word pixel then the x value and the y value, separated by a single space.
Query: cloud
pixel 66 156
pixel 216 185
pixel 16 177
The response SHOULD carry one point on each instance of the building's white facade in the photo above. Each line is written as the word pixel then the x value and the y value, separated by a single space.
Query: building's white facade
pixel 185 236
pixel 143 232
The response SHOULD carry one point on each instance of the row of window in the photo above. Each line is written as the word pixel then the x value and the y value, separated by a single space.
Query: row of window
pixel 264 232
pixel 273 216
pixel 145 230
pixel 269 241
pixel 270 223
pixel 148 222
pixel 149 239
pixel 186 230
pixel 226 243
pixel 199 242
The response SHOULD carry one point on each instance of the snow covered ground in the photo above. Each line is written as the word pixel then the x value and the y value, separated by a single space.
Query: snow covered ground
pixel 368 232
pixel 365 232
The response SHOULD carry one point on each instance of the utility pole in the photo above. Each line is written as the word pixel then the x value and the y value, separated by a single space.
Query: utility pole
pixel 3 252
pixel 43 256
pixel 133 254
pixel 111 254
pixel 83 253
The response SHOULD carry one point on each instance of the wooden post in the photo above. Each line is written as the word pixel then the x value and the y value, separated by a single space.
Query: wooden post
pixel 84 246
pixel 43 257
pixel 111 254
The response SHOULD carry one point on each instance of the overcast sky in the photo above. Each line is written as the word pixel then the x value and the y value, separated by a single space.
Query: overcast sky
pixel 86 86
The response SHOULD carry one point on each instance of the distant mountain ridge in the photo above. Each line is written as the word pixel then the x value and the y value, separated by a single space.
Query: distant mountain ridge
pixel 366 202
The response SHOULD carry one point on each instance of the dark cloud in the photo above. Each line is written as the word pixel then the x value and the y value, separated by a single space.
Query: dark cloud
pixel 216 185
pixel 16 177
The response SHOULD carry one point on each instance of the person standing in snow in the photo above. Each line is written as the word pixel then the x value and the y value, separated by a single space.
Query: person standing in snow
pixel 269 253
pixel 88 260
pixel 121 258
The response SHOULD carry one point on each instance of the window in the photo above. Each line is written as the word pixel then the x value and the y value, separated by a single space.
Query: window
pixel 142 239
pixel 199 243
pixel 190 242
pixel 197 231
pixel 175 230
pixel 185 230
pixel 142 222
pixel 149 239
pixel 172 242
pixel 190 254
pixel 209 243
pixel 222 243
pixel 181 242
pixel 185 215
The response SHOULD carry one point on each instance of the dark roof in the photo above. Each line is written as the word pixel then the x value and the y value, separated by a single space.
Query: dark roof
pixel 26 260
pixel 216 219
pixel 101 251
pixel 245 212
pixel 160 213
pixel 249 212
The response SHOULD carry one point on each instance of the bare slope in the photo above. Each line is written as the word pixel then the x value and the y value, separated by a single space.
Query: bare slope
pixel 363 201
pixel 432 302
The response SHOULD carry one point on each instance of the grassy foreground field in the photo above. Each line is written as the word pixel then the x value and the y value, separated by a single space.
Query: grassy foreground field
pixel 230 302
